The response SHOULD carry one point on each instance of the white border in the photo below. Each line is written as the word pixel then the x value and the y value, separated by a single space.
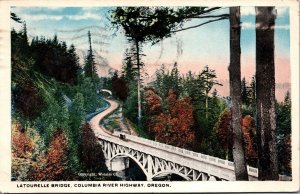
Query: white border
pixel 267 186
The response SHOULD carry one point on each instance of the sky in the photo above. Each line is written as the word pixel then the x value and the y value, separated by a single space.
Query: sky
pixel 191 49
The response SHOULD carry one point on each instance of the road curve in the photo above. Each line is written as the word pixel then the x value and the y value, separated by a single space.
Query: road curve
pixel 95 121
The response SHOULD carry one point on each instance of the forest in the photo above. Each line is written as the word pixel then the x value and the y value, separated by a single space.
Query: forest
pixel 53 96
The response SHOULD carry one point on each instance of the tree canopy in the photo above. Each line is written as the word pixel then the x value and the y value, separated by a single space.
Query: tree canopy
pixel 151 24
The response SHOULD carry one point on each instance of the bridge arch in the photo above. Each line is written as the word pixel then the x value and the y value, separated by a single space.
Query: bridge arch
pixel 106 91
pixel 148 175
pixel 134 159
pixel 171 172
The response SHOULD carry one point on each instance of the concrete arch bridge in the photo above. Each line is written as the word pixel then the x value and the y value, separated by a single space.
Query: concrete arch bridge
pixel 157 159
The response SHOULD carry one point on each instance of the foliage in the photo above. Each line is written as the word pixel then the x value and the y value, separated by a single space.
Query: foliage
pixel 119 87
pixel 130 106
pixel 28 101
pixel 166 80
pixel 249 141
pixel 152 24
pixel 153 108
pixel 25 92
pixel 128 69
pixel 26 147
pixel 248 97
pixel 173 124
pixel 244 92
pixel 155 23
pixel 283 124
pixel 54 117
pixel 21 143
pixel 91 154
pixel 53 59
pixel 77 114
pixel 76 118
pixel 206 107
pixel 91 97
pixel 224 130
pixel 22 148
pixel 49 101
pixel 225 134
pixel 53 165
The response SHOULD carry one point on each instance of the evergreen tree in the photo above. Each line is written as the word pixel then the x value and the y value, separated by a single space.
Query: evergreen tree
pixel 90 65
pixel 91 98
pixel 175 79
pixel 283 134
pixel 128 72
pixel 244 93
pixel 24 38
pixel 130 106
pixel 166 80
pixel 91 154
pixel 209 79
pixel 77 115
pixel 52 59
pixel 119 87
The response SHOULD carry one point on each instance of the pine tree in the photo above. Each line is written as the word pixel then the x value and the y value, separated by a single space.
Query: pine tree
pixel 128 70
pixel 90 65
pixel 119 87
pixel 175 79
pixel 209 79
pixel 24 43
pixel 132 74
pixel 244 93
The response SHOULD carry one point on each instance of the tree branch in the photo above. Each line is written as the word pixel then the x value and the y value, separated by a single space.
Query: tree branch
pixel 203 12
pixel 210 16
pixel 182 29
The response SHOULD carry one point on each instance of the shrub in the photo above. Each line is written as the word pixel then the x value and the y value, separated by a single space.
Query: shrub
pixel 52 166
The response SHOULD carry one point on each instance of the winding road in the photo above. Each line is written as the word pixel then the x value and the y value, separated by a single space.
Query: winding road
pixel 95 121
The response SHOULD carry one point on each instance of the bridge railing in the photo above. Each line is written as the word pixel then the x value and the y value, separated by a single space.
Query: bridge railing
pixel 253 172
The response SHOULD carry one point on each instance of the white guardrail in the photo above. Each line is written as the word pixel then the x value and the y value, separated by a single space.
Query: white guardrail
pixel 187 153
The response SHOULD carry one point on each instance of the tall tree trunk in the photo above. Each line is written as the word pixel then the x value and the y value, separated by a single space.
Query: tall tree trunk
pixel 139 83
pixel 235 93
pixel 265 94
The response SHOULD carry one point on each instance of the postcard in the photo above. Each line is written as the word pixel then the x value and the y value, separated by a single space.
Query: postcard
pixel 149 96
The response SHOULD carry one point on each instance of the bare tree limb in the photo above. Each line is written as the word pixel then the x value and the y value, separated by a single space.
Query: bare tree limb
pixel 210 16
pixel 182 29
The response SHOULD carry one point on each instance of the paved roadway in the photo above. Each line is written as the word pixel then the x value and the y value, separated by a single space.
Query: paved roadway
pixel 95 121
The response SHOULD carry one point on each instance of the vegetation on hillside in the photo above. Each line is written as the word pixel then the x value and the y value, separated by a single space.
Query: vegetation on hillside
pixel 51 96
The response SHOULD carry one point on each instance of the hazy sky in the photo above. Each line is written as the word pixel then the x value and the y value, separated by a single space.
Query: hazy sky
pixel 191 49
